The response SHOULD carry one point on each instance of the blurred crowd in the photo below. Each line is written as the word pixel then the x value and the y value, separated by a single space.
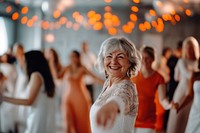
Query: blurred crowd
pixel 35 86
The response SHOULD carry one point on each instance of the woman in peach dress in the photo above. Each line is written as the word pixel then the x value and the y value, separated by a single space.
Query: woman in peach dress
pixel 76 100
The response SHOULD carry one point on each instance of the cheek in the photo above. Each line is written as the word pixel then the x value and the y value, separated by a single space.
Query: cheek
pixel 105 62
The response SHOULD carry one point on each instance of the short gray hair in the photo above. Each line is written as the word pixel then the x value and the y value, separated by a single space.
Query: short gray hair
pixel 120 43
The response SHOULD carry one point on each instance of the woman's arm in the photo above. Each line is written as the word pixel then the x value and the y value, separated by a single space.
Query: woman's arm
pixel 2 82
pixel 190 92
pixel 186 73
pixel 107 114
pixel 162 97
pixel 177 71
pixel 122 101
pixel 99 80
pixel 34 84
pixel 53 69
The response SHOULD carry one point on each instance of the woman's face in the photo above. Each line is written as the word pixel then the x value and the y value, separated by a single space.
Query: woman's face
pixel 116 63
pixel 74 58
pixel 190 51
pixel 146 60
pixel 51 55
pixel 4 58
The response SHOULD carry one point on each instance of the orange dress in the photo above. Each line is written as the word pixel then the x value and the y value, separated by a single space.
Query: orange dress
pixel 146 88
pixel 76 104
pixel 160 113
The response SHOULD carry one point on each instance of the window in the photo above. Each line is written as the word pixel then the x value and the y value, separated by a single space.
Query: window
pixel 4 37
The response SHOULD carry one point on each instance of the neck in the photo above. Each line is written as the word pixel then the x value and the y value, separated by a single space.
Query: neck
pixel 114 80
pixel 147 72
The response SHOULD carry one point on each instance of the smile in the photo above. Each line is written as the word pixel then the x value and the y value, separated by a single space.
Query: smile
pixel 114 67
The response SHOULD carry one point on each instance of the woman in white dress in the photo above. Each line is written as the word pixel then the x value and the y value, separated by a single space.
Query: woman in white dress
pixel 183 72
pixel 57 70
pixel 41 94
pixel 193 124
pixel 8 69
pixel 116 107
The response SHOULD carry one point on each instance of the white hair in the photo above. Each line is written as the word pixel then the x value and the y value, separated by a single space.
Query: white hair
pixel 120 43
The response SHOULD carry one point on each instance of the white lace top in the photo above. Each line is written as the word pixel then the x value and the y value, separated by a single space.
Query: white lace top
pixel 125 94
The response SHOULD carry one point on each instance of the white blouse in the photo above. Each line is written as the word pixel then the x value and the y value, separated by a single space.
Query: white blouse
pixel 125 95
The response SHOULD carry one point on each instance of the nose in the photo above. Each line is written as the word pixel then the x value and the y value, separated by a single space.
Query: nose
pixel 114 60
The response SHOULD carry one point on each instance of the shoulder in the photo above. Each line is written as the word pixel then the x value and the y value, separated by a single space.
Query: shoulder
pixel 126 87
pixel 67 68
pixel 181 61
pixel 159 77
pixel 37 77
pixel 158 74
pixel 82 68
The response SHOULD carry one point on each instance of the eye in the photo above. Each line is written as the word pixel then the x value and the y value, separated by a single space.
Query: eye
pixel 108 56
pixel 121 56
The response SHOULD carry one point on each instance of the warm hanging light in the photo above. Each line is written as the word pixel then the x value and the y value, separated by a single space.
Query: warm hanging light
pixel 8 9
pixel 136 1
pixel 188 12
pixel 15 16
pixel 24 10
pixel 134 9
pixel 24 19
pixel 108 1
pixel 56 14
pixel 30 23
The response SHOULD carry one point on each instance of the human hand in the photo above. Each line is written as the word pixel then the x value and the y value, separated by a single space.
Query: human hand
pixel 175 106
pixel 107 114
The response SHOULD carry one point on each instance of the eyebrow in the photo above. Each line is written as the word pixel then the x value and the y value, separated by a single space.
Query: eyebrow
pixel 117 54
pixel 121 54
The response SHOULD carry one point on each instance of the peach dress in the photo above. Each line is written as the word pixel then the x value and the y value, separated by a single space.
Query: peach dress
pixel 76 103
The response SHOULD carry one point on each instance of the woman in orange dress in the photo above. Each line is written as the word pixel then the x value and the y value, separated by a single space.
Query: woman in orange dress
pixel 76 100
pixel 148 82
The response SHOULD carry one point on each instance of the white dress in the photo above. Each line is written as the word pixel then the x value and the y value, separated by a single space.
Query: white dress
pixel 8 119
pixel 125 94
pixel 193 125
pixel 41 117
pixel 21 92
pixel 183 71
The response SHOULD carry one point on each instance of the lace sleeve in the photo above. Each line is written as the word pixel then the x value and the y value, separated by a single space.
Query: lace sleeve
pixel 128 94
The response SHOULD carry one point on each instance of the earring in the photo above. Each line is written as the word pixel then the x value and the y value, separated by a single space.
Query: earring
pixel 128 73
pixel 106 74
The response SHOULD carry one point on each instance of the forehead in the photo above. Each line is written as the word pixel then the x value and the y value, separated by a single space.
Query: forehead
pixel 73 54
pixel 190 44
pixel 145 54
pixel 117 52
pixel 113 48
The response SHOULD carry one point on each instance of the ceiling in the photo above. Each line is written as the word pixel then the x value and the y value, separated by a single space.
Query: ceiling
pixel 37 3
pixel 164 9
pixel 193 5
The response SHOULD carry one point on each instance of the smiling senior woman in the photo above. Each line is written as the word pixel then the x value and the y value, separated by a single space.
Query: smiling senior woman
pixel 116 107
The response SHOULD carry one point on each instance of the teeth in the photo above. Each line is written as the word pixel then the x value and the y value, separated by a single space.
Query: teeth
pixel 114 67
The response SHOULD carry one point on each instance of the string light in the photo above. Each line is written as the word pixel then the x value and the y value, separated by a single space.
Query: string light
pixel 108 20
